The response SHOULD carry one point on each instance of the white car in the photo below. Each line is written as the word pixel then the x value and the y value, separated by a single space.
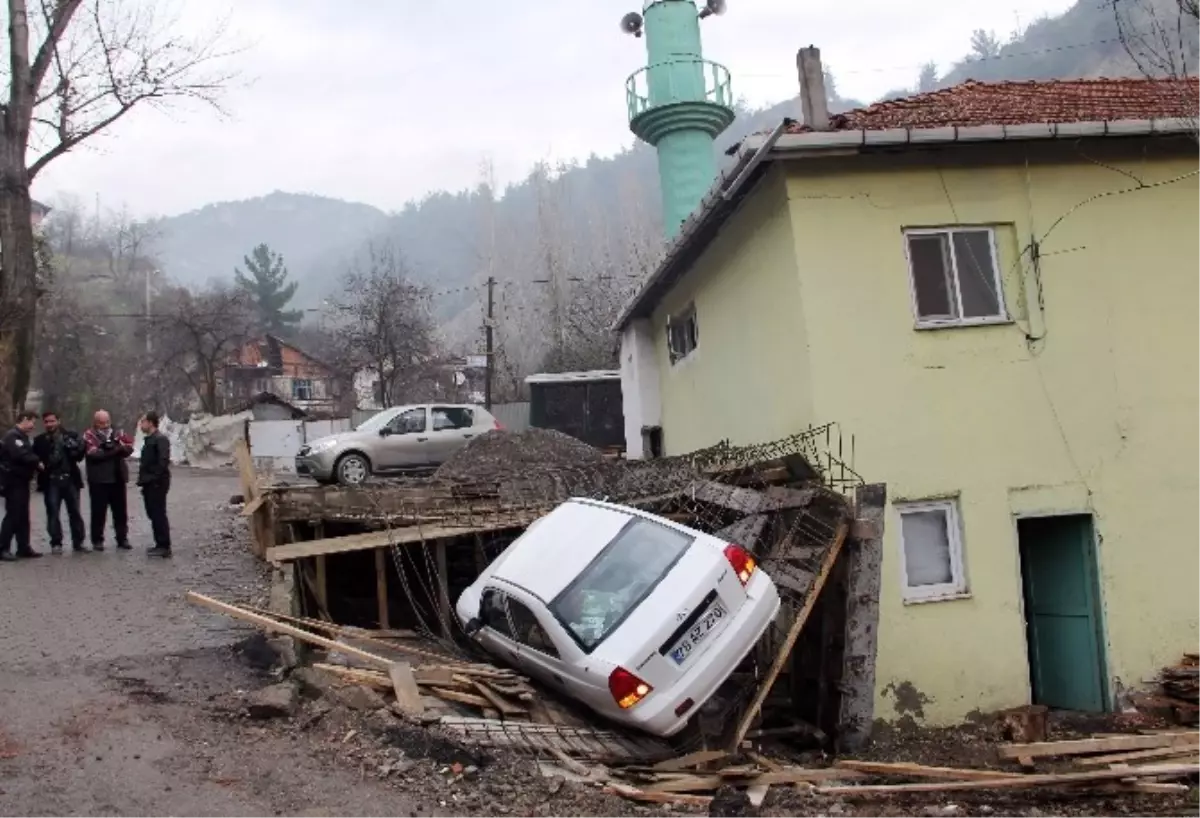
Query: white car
pixel 638 617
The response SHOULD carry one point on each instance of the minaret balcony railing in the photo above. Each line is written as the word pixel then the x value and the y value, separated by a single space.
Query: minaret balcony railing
pixel 689 79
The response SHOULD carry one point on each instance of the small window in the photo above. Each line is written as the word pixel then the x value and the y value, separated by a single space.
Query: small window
pixel 955 276
pixel 528 631
pixel 452 417
pixel 683 335
pixel 302 389
pixel 493 614
pixel 931 546
pixel 407 423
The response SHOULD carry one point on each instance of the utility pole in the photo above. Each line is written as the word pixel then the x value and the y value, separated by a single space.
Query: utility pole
pixel 148 272
pixel 489 347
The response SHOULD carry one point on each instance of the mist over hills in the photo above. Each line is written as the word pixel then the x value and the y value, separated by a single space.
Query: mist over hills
pixel 584 216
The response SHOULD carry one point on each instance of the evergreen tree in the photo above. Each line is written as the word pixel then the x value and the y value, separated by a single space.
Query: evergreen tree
pixel 266 282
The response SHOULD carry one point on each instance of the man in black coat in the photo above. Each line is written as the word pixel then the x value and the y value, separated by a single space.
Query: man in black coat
pixel 154 476
pixel 60 480
pixel 107 450
pixel 19 464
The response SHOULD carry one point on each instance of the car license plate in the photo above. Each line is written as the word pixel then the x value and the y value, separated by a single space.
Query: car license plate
pixel 687 645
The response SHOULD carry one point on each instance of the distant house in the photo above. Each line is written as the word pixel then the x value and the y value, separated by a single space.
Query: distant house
pixel 272 366
pixel 458 379
pixel 38 212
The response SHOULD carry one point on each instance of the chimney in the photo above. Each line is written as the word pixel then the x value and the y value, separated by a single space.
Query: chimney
pixel 813 104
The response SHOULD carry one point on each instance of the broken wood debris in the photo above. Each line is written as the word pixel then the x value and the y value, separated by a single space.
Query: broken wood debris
pixel 1107 744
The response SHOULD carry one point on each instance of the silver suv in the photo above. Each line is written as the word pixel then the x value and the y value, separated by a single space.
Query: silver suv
pixel 397 440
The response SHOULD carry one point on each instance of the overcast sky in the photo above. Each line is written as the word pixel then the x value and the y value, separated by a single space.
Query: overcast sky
pixel 383 101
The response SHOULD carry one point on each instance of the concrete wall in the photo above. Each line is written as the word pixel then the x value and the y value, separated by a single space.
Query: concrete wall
pixel 747 378
pixel 1099 416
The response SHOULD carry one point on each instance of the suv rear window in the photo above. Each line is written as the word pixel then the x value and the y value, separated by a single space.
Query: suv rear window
pixel 452 417
pixel 617 580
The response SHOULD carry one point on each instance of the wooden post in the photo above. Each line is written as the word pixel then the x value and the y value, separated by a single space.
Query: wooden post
pixel 381 587
pixel 481 560
pixel 322 588
pixel 443 584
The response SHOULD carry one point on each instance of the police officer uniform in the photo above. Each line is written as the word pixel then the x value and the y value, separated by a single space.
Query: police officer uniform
pixel 19 466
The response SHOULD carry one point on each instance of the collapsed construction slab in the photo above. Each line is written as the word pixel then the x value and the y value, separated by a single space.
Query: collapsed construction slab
pixel 396 554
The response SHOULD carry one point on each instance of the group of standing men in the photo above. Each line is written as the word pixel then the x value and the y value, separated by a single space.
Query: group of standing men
pixel 53 458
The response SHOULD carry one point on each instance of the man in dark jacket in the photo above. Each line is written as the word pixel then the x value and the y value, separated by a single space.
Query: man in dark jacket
pixel 60 480
pixel 19 465
pixel 107 449
pixel 154 476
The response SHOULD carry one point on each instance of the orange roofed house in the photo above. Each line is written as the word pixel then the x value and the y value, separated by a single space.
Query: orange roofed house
pixel 269 365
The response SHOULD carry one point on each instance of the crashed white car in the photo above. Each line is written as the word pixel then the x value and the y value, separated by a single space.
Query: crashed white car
pixel 636 616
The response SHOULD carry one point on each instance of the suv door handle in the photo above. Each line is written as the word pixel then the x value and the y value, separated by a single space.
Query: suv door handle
pixel 422 439
pixel 468 436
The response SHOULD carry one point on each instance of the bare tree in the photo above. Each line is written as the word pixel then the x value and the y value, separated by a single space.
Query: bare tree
pixel 196 336
pixel 89 64
pixel 1162 39
pixel 382 323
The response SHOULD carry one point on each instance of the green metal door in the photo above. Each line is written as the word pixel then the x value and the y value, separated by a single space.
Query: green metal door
pixel 1062 612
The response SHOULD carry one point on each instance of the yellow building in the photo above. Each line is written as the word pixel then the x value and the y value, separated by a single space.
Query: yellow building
pixel 995 288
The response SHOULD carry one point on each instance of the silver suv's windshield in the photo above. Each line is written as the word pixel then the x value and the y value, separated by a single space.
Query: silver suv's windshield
pixel 618 579
pixel 378 420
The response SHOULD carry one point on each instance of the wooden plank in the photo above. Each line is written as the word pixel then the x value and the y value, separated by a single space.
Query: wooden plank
pixel 506 708
pixel 907 770
pixel 429 676
pixel 788 775
pixel 246 472
pixel 785 650
pixel 396 536
pixel 634 794
pixel 408 697
pixel 1018 782
pixel 254 505
pixel 381 587
pixel 1111 744
pixel 355 675
pixel 462 698
pixel 690 760
pixel 290 630
pixel 1136 755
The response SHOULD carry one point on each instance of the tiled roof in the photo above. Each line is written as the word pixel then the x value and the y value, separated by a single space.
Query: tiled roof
pixel 1024 103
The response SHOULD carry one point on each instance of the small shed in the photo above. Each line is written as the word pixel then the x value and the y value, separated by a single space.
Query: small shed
pixel 584 405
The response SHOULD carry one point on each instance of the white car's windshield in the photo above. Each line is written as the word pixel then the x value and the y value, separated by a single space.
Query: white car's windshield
pixel 378 420
pixel 618 579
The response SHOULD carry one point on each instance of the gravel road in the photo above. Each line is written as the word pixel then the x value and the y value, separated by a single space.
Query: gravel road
pixel 108 675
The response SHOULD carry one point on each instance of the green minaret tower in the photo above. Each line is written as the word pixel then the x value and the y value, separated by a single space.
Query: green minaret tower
pixel 679 102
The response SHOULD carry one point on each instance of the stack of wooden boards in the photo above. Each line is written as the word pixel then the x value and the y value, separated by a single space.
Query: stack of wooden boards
pixel 1179 698
pixel 1155 763
pixel 477 702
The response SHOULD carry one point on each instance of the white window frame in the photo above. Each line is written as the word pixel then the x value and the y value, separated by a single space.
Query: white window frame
pixel 312 389
pixel 685 314
pixel 956 588
pixel 936 323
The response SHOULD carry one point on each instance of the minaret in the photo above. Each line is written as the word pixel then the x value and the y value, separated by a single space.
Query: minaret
pixel 679 102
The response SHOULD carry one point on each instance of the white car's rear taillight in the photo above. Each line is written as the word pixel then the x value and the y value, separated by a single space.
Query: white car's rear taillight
pixel 627 689
pixel 743 564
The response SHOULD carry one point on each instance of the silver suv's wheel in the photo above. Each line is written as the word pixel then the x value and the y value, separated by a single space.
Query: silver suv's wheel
pixel 353 470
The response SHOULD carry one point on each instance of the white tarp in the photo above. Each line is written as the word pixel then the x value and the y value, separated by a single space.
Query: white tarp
pixel 205 442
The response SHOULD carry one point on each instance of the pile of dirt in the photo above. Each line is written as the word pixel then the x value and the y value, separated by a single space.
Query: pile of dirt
pixel 500 454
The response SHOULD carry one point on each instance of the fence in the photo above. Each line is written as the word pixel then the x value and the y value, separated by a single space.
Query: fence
pixel 275 443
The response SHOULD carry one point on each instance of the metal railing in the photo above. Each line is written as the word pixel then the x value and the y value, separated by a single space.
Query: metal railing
pixel 683 80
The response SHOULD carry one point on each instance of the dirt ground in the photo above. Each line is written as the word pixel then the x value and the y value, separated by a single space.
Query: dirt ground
pixel 118 697
pixel 108 674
